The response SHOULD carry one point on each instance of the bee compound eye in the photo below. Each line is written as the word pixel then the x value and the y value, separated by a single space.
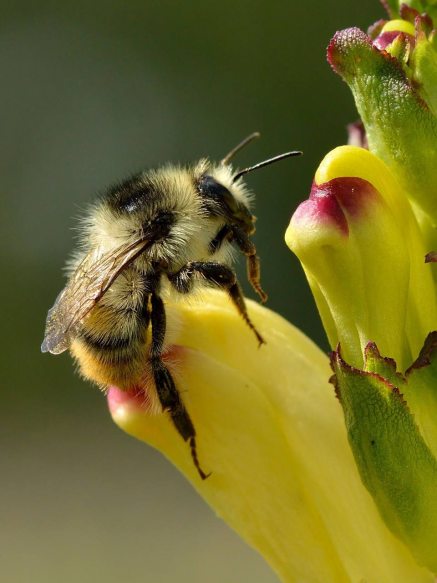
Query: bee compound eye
pixel 208 186
pixel 217 194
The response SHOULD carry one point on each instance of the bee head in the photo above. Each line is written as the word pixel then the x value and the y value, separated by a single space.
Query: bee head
pixel 224 193
pixel 230 202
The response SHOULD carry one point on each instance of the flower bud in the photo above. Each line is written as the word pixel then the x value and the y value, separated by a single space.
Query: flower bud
pixel 360 246
pixel 393 34
pixel 409 9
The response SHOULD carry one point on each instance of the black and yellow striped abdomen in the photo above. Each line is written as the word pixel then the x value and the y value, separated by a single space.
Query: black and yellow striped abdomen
pixel 111 348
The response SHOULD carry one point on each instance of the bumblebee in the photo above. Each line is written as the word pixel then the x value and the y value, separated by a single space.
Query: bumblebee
pixel 159 232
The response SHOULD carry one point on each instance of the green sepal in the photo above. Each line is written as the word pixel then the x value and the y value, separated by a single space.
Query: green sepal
pixel 428 7
pixel 392 109
pixel 400 49
pixel 382 366
pixel 395 461
pixel 421 391
pixel 424 67
pixel 396 8
pixel 392 7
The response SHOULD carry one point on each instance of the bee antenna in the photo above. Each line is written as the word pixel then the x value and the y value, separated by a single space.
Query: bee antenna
pixel 265 163
pixel 240 146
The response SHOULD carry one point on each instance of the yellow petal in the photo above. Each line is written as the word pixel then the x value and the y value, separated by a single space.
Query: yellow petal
pixel 271 432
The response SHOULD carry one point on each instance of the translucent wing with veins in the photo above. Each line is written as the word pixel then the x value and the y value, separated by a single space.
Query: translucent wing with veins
pixel 91 280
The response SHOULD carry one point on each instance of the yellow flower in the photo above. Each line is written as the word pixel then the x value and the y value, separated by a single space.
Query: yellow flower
pixel 363 253
pixel 364 258
pixel 272 434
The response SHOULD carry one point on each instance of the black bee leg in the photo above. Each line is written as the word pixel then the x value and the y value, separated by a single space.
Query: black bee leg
pixel 247 247
pixel 220 275
pixel 224 233
pixel 167 392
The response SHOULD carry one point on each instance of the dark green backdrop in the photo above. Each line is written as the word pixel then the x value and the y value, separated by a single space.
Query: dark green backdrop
pixel 91 91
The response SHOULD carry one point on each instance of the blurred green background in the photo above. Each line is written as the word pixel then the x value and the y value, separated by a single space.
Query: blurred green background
pixel 91 92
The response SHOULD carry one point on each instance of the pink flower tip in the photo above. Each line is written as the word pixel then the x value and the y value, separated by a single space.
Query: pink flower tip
pixel 335 203
pixel 118 400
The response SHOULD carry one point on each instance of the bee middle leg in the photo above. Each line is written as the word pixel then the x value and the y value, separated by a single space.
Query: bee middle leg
pixel 220 275
pixel 167 392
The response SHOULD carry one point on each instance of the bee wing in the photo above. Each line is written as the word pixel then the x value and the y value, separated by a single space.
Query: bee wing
pixel 86 286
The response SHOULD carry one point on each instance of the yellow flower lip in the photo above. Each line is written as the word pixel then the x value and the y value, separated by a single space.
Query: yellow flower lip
pixel 335 203
pixel 345 191
pixel 353 161
pixel 350 161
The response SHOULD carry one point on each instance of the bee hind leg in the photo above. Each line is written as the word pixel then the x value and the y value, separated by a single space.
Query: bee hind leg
pixel 167 392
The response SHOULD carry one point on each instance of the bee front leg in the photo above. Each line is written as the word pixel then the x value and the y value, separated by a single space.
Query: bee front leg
pixel 167 392
pixel 220 275
pixel 247 247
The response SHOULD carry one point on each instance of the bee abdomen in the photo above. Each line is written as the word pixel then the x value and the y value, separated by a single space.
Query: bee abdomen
pixel 112 342
pixel 111 348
